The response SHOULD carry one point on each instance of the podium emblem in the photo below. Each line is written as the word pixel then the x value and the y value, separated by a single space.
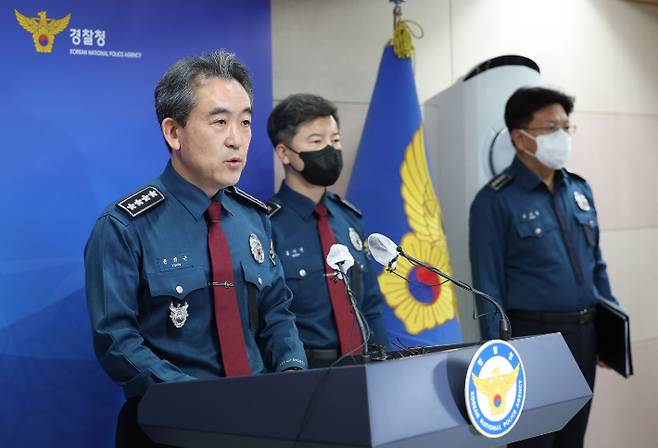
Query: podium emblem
pixel 495 388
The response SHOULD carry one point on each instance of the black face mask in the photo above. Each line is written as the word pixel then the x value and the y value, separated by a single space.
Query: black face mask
pixel 321 167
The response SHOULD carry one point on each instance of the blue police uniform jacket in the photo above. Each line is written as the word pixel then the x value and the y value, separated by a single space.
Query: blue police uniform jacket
pixel 136 266
pixel 536 250
pixel 297 243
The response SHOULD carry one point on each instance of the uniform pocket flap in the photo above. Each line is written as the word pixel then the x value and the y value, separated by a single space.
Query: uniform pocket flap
pixel 177 283
pixel 532 228
pixel 586 220
pixel 301 268
pixel 257 276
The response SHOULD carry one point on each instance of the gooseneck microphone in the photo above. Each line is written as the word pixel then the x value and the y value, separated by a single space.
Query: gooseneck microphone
pixel 341 260
pixel 383 250
pixel 386 253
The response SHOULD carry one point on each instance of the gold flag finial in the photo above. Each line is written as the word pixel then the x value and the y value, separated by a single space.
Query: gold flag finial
pixel 403 46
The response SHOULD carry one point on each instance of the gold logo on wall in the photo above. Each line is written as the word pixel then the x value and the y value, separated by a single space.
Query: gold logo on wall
pixel 43 29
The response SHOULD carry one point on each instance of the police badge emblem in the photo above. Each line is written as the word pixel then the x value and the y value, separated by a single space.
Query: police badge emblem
pixel 355 239
pixel 582 201
pixel 256 248
pixel 178 314
pixel 495 388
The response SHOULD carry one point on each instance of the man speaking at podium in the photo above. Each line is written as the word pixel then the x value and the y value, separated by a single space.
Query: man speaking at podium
pixel 307 220
pixel 181 281
pixel 534 242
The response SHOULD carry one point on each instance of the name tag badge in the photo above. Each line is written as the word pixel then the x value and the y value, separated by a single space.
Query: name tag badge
pixel 170 263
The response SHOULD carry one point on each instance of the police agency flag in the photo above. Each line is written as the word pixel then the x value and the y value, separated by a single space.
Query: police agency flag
pixel 392 185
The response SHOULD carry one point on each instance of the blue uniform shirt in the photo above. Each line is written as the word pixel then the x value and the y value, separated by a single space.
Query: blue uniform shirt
pixel 137 266
pixel 297 242
pixel 536 250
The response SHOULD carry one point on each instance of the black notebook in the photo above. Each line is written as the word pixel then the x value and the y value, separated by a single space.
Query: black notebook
pixel 614 333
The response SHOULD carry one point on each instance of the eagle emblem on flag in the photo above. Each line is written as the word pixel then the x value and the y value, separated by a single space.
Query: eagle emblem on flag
pixel 426 300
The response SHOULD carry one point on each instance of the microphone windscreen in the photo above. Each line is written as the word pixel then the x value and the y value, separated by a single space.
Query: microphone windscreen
pixel 340 258
pixel 382 248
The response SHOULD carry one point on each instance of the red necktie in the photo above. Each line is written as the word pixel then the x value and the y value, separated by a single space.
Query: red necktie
pixel 227 314
pixel 348 330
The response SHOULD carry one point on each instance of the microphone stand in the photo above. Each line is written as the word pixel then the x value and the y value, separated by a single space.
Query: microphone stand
pixel 359 319
pixel 504 326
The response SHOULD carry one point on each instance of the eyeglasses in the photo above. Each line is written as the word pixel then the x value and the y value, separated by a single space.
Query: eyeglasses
pixel 570 129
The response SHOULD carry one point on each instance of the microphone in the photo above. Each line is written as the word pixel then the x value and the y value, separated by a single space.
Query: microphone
pixel 339 258
pixel 383 250
pixel 387 252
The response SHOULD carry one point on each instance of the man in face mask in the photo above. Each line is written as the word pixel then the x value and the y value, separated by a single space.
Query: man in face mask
pixel 534 242
pixel 306 220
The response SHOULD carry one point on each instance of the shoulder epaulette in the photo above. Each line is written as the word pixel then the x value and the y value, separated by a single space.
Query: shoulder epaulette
pixel 346 203
pixel 137 203
pixel 249 199
pixel 500 181
pixel 272 208
pixel 575 176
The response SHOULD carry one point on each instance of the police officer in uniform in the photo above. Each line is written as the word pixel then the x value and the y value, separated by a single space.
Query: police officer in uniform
pixel 534 242
pixel 306 218
pixel 180 281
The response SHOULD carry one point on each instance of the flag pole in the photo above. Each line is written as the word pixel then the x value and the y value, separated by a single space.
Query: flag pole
pixel 397 11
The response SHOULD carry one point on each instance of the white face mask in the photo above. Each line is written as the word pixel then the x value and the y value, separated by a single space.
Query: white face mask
pixel 552 149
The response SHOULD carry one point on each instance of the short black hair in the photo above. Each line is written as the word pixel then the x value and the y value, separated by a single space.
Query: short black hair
pixel 294 110
pixel 523 103
pixel 174 95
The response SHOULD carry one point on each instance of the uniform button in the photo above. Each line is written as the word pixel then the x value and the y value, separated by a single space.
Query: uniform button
pixel 179 289
pixel 537 231
pixel 302 272
pixel 591 223
pixel 260 281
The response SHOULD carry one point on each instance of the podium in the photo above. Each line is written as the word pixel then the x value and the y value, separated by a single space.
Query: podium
pixel 411 402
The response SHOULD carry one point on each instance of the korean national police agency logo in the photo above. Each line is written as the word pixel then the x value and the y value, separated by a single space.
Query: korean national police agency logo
pixel 495 388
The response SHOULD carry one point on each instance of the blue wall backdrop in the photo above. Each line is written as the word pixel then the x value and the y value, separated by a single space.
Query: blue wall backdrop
pixel 79 131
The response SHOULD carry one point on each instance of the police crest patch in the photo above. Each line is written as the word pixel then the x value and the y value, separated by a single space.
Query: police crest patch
pixel 256 248
pixel 355 239
pixel 495 388
pixel 178 314
pixel 582 201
